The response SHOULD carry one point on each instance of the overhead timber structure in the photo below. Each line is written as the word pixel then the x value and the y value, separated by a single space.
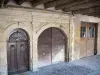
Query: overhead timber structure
pixel 84 7
pixel 40 33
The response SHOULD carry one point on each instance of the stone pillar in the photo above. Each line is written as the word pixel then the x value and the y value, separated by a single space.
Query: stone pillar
pixel 3 58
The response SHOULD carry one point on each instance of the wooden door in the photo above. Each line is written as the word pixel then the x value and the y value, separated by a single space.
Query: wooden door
pixel 12 58
pixel 44 48
pixel 88 40
pixel 22 56
pixel 51 47
pixel 18 52
pixel 58 46
pixel 83 43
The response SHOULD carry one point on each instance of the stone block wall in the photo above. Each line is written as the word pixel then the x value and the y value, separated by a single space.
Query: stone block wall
pixel 34 22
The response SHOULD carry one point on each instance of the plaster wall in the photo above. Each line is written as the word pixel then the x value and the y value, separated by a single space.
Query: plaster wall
pixel 77 22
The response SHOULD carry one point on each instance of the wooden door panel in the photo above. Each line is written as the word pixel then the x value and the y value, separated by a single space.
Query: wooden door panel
pixel 88 43
pixel 58 46
pixel 83 48
pixel 90 40
pixel 22 56
pixel 83 43
pixel 51 47
pixel 44 48
pixel 18 52
pixel 12 58
pixel 90 47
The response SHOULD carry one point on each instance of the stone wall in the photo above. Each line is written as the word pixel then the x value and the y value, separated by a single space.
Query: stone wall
pixel 34 22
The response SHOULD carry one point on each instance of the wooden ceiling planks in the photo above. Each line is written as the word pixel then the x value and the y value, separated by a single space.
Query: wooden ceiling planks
pixel 55 2
pixel 74 6
pixel 69 4
pixel 6 2
pixel 38 2
pixel 84 6
pixel 1 3
pixel 88 10
pixel 19 2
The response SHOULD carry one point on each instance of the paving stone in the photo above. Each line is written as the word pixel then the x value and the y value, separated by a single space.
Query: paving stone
pixel 85 66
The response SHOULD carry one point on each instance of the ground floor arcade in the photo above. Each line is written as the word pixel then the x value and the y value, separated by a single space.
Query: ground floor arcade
pixel 40 38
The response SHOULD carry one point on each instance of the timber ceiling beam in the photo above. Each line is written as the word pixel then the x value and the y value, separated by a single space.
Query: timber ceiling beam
pixel 56 2
pixel 6 2
pixel 38 2
pixel 88 10
pixel 83 6
pixel 19 2
pixel 66 5
pixel 1 3
pixel 75 3
pixel 96 14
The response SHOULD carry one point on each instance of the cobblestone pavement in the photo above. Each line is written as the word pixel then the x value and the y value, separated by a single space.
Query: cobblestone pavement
pixel 85 66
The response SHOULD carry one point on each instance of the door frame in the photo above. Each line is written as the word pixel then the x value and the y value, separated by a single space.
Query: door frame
pixel 66 51
pixel 96 39
pixel 28 44
pixel 95 34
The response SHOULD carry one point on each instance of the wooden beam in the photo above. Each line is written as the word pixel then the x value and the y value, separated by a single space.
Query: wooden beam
pixel 19 2
pixel 38 2
pixel 1 3
pixel 90 12
pixel 76 4
pixel 56 2
pixel 66 5
pixel 84 6
pixel 94 13
pixel 96 16
pixel 87 10
pixel 6 2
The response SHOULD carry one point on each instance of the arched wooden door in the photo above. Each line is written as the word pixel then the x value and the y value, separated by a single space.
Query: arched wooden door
pixel 51 47
pixel 18 52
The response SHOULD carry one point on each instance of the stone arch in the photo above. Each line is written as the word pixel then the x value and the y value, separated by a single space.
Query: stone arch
pixel 17 25
pixel 59 27
pixel 18 51
pixel 10 28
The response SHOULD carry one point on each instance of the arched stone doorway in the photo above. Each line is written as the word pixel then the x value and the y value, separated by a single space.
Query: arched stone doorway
pixel 18 52
pixel 51 47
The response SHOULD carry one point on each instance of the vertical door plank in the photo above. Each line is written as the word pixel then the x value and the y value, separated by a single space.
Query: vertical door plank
pixel 44 48
pixel 58 46
pixel 12 58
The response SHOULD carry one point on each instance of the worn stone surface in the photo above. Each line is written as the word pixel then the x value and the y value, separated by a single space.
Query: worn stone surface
pixel 84 66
